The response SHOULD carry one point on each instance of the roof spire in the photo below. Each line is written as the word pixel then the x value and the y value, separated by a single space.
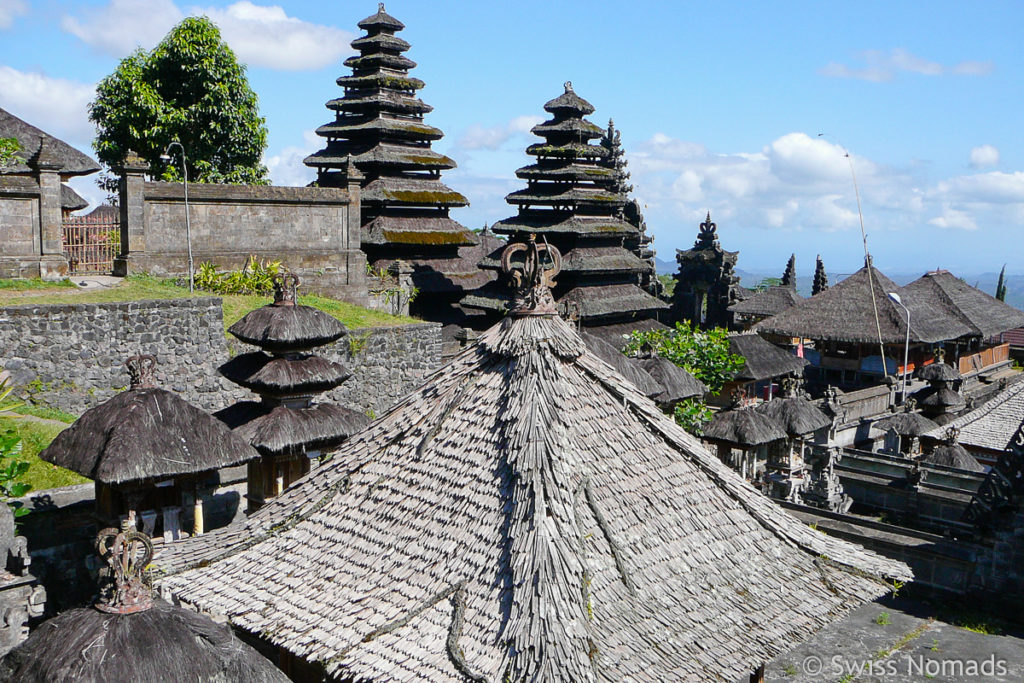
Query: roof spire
pixel 126 554
pixel 789 277
pixel 142 370
pixel 568 86
pixel 533 279
pixel 820 278
pixel 707 237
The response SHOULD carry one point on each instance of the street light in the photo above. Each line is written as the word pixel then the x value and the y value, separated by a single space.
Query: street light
pixel 166 158
pixel 895 298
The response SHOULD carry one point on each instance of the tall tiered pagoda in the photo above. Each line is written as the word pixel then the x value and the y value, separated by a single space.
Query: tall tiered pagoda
pixel 574 201
pixel 379 122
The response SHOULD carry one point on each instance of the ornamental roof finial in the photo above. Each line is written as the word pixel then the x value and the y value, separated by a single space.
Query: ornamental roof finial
pixel 284 289
pixel 142 371
pixel 126 554
pixel 532 277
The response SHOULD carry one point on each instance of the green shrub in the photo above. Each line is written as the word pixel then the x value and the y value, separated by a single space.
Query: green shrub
pixel 255 277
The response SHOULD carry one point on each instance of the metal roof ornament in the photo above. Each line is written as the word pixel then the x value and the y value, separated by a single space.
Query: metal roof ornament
pixel 142 370
pixel 284 289
pixel 126 554
pixel 532 277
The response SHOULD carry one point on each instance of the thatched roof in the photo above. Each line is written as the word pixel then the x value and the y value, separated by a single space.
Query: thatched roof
pixel 743 427
pixel 71 161
pixel 527 514
pixel 676 383
pixel 939 397
pixel 279 376
pixel 981 312
pixel 762 359
pixel 145 433
pixel 844 313
pixel 993 425
pixel 616 333
pixel 279 430
pixel 907 424
pixel 795 414
pixel 71 200
pixel 627 367
pixel 163 643
pixel 285 325
pixel 950 453
pixel 938 372
pixel 768 301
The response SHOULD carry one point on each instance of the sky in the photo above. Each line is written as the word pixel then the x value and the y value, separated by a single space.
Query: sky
pixel 746 110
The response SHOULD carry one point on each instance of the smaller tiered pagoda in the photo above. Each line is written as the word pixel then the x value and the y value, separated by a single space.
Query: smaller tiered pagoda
pixel 286 426
pixel 706 282
pixel 379 122
pixel 574 200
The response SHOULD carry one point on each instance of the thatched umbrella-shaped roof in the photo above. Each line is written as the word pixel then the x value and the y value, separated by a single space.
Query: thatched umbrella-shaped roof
pixel 287 326
pixel 906 424
pixel 129 636
pixel 950 453
pixel 676 384
pixel 280 430
pixel 275 375
pixel 795 414
pixel 762 359
pixel 743 427
pixel 145 433
pixel 938 372
pixel 939 397
pixel 527 514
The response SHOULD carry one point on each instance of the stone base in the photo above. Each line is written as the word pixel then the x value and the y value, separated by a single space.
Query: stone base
pixel 53 267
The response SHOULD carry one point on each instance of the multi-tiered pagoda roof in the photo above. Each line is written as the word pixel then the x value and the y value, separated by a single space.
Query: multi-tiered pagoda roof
pixel 574 199
pixel 379 123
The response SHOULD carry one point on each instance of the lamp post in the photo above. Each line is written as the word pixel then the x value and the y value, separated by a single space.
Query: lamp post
pixel 895 298
pixel 166 157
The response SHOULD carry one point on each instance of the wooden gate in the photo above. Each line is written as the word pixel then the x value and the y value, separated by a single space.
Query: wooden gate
pixel 91 243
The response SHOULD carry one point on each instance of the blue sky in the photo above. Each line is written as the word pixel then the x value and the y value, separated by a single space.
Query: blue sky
pixel 720 105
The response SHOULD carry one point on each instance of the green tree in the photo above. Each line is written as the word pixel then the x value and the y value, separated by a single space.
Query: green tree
pixel 1001 285
pixel 702 353
pixel 189 88
pixel 768 282
pixel 9 148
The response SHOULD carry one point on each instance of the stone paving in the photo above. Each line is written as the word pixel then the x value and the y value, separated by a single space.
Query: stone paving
pixel 904 640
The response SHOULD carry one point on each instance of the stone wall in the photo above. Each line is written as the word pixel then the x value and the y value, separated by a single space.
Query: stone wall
pixel 30 227
pixel 71 356
pixel 313 231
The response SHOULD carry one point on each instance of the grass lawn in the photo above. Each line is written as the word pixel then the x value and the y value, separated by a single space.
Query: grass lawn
pixel 31 284
pixel 35 436
pixel 136 287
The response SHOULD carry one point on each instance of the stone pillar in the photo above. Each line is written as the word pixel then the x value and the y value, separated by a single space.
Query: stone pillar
pixel 53 264
pixel 132 202
pixel 353 230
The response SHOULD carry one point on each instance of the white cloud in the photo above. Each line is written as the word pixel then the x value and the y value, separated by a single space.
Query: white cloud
pixel 493 137
pixel 260 35
pixel 11 10
pixel 983 156
pixel 881 67
pixel 123 25
pixel 266 36
pixel 951 218
pixel 56 105
pixel 286 167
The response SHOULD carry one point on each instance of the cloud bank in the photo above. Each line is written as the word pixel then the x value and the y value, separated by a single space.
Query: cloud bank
pixel 882 67
pixel 260 35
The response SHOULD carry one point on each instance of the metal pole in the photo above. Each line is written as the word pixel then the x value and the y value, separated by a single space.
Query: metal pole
pixel 188 222
pixel 906 355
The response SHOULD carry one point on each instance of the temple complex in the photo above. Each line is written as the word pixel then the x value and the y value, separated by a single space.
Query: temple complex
pixel 706 284
pixel 574 200
pixel 379 124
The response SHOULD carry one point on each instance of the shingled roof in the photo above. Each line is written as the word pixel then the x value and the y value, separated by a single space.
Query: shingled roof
pixel 993 425
pixel 527 514
pixel 72 161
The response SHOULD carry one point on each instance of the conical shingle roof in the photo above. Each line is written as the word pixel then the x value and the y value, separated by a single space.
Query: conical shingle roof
pixel 528 515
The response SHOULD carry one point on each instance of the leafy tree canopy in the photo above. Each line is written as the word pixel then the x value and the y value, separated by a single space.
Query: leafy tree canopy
pixel 189 88
pixel 9 148
pixel 767 282
pixel 703 353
